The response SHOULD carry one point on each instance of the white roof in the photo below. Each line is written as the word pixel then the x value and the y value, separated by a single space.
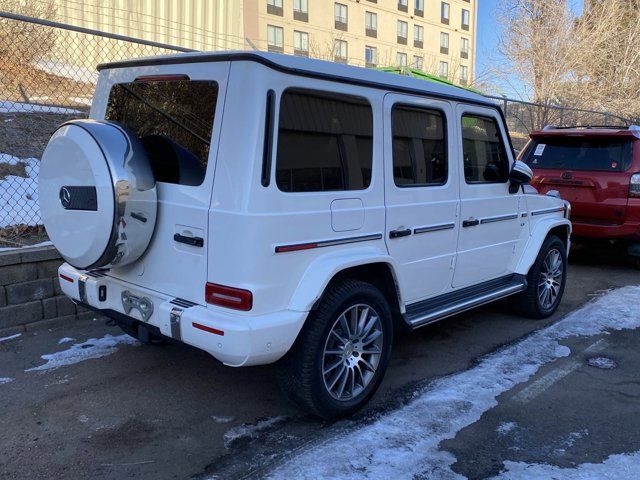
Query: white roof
pixel 317 68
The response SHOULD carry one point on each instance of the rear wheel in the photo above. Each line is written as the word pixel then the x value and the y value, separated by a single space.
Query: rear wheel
pixel 341 355
pixel 545 281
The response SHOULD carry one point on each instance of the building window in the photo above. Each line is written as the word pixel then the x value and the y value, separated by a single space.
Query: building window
pixel 418 36
pixel 301 10
pixel 464 74
pixel 313 130
pixel 443 70
pixel 419 147
pixel 444 43
pixel 465 19
pixel 403 5
pixel 340 13
pixel 300 43
pixel 419 10
pixel 371 56
pixel 444 13
pixel 340 51
pixel 418 62
pixel 275 39
pixel 484 152
pixel 403 28
pixel 371 24
pixel 464 48
pixel 274 7
pixel 401 59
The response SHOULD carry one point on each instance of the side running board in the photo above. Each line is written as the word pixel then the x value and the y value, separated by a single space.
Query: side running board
pixel 437 308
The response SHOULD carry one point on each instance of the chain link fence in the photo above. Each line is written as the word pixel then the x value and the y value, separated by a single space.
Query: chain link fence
pixel 524 117
pixel 48 76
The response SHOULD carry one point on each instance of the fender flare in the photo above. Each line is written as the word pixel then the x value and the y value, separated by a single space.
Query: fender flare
pixel 536 239
pixel 325 267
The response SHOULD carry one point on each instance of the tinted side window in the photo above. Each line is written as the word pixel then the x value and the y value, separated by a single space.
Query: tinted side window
pixel 174 121
pixel 484 155
pixel 325 142
pixel 419 147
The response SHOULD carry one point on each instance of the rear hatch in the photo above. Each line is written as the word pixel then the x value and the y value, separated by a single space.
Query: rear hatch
pixel 588 170
pixel 176 111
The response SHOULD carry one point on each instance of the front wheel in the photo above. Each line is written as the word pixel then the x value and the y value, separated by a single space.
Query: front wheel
pixel 545 281
pixel 341 355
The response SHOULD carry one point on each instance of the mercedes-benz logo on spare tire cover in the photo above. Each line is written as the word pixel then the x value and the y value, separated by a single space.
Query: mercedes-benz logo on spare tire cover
pixel 65 197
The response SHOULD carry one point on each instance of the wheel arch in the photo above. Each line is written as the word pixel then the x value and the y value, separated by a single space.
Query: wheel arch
pixel 559 227
pixel 376 269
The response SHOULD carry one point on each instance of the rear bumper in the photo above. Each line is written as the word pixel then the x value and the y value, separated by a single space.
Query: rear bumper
pixel 236 340
pixel 628 230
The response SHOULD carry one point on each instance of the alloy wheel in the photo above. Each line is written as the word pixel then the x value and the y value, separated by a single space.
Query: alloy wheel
pixel 550 280
pixel 352 352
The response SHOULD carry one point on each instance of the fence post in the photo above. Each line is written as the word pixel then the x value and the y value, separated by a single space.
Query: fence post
pixel 606 119
pixel 561 117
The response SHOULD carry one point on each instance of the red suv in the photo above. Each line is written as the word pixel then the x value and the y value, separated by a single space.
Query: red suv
pixel 598 171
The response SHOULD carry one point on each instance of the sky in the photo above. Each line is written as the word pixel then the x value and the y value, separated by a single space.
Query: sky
pixel 486 51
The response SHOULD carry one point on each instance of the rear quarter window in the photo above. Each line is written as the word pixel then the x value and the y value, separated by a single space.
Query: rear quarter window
pixel 325 142
pixel 567 153
pixel 173 119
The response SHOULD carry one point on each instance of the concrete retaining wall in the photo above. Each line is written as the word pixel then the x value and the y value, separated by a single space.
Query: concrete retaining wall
pixel 30 293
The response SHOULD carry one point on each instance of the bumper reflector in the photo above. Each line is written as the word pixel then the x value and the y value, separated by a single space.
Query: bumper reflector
pixel 204 328
pixel 68 279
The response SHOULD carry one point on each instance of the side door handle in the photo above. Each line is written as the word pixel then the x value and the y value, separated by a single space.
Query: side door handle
pixel 470 223
pixel 194 241
pixel 399 233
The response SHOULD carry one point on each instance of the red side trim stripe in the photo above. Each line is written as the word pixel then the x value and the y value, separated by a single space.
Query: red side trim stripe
pixel 204 328
pixel 68 279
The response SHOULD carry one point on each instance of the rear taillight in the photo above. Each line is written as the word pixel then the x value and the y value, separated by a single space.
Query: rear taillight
pixel 634 186
pixel 229 297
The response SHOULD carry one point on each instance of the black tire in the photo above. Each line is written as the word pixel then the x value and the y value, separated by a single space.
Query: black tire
pixel 301 370
pixel 528 303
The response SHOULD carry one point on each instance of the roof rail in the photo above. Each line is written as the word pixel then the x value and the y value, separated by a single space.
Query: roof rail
pixel 587 127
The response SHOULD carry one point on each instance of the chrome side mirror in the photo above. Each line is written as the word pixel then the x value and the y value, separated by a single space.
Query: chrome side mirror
pixel 520 175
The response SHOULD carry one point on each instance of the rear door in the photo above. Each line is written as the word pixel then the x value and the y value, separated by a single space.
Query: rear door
pixel 421 193
pixel 591 172
pixel 176 110
pixel 491 227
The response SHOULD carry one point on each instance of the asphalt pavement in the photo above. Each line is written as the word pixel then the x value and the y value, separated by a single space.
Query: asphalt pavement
pixel 113 409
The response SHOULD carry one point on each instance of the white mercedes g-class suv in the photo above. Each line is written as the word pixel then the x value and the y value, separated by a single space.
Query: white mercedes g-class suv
pixel 270 208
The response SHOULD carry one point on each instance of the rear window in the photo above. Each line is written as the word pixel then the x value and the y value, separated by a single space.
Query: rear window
pixel 325 142
pixel 173 119
pixel 572 153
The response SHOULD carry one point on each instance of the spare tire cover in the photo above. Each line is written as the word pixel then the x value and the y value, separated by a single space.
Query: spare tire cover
pixel 97 194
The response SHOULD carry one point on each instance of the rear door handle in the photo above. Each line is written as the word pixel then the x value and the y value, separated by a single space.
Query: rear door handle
pixel 194 241
pixel 399 233
pixel 470 223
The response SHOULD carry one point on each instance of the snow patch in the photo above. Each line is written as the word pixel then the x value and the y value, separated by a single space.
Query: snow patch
pixel 505 427
pixel 222 418
pixel 250 430
pixel 405 443
pixel 615 467
pixel 65 340
pixel 10 337
pixel 61 69
pixel 4 380
pixel 7 106
pixel 79 352
pixel 18 195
